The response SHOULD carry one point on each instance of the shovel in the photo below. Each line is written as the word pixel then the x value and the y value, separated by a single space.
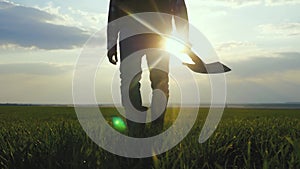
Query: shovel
pixel 200 67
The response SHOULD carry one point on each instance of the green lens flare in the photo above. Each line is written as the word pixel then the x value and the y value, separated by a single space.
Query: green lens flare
pixel 118 124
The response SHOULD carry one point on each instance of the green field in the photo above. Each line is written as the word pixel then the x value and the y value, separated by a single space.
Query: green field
pixel 51 137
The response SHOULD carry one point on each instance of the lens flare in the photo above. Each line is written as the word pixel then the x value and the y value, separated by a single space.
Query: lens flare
pixel 173 45
pixel 178 49
pixel 118 124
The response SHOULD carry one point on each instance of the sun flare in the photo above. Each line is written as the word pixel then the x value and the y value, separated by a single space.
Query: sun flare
pixel 174 46
pixel 177 48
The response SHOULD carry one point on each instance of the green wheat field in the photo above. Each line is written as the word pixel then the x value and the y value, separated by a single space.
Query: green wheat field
pixel 49 137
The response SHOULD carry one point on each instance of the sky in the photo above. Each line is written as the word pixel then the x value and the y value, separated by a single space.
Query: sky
pixel 40 42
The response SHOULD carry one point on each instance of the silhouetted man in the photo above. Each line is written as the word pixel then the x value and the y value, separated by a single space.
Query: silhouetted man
pixel 136 46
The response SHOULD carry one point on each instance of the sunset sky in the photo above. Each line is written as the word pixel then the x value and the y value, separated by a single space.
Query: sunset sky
pixel 41 40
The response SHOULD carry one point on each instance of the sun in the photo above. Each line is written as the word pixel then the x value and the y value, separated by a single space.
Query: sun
pixel 177 48
pixel 174 46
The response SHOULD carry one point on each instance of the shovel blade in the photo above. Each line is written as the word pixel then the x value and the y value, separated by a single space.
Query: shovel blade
pixel 200 67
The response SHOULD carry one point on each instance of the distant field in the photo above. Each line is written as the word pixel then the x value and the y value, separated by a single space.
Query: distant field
pixel 51 137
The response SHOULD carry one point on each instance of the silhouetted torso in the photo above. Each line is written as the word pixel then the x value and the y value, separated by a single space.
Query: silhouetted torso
pixel 154 23
pixel 137 6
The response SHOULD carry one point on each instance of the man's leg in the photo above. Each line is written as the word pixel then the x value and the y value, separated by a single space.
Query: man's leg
pixel 158 63
pixel 130 69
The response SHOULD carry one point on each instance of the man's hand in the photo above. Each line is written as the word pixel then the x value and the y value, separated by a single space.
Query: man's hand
pixel 112 55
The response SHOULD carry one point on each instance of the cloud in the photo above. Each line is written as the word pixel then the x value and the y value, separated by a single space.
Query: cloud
pixel 239 3
pixel 274 87
pixel 33 88
pixel 244 3
pixel 280 30
pixel 13 47
pixel 29 27
pixel 89 20
pixel 257 66
pixel 69 16
pixel 240 51
pixel 226 46
pixel 265 79
pixel 40 68
pixel 280 2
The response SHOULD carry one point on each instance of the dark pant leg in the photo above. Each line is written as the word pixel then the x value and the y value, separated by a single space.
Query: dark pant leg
pixel 158 62
pixel 130 69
